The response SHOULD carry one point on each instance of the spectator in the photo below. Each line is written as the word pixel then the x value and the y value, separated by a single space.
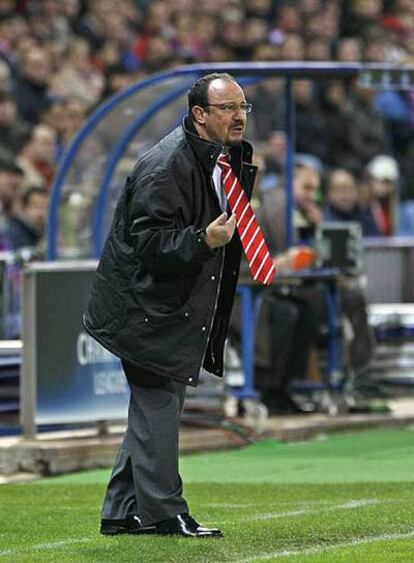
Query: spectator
pixel 12 28
pixel 55 117
pixel 309 121
pixel 349 50
pixel 157 23
pixel 292 48
pixel 159 53
pixel 50 20
pixel 38 157
pixel 318 49
pixel 288 18
pixel 406 218
pixel 74 116
pixel 266 99
pixel 232 37
pixel 360 15
pixel 26 228
pixel 255 34
pixel 93 21
pixel 288 325
pixel 324 25
pixel 366 128
pixel 309 135
pixel 285 350
pixel 5 79
pixel 119 35
pixel 65 118
pixel 11 186
pixel 283 346
pixel 337 122
pixel 397 107
pixel 407 172
pixel 342 202
pixel 116 79
pixel 381 193
pixel 275 153
pixel 32 85
pixel 374 49
pixel 307 215
pixel 78 78
pixel 14 132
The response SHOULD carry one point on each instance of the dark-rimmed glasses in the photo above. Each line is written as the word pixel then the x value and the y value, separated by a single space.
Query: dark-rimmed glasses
pixel 232 107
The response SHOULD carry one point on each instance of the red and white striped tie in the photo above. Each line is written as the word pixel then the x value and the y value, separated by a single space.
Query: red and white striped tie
pixel 251 236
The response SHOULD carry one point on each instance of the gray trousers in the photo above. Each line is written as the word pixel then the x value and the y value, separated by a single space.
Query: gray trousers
pixel 145 481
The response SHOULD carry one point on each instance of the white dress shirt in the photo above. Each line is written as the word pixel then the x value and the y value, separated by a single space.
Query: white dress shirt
pixel 219 188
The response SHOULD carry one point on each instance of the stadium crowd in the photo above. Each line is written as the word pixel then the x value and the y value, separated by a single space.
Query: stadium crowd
pixel 60 59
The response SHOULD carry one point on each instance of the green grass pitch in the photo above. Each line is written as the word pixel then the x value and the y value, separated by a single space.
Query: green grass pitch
pixel 344 498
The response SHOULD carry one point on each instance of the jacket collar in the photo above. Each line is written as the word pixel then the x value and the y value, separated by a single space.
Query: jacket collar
pixel 207 152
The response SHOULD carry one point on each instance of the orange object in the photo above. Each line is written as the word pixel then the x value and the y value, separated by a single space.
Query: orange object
pixel 303 257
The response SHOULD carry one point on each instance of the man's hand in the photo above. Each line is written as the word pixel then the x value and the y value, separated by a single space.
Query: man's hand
pixel 314 213
pixel 220 231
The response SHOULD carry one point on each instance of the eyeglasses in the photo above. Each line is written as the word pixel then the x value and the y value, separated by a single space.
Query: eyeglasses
pixel 232 107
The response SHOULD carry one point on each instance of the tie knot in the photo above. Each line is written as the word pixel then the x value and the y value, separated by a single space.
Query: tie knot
pixel 224 161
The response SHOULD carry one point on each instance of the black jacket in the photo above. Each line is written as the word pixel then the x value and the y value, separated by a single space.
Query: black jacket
pixel 161 298
pixel 359 215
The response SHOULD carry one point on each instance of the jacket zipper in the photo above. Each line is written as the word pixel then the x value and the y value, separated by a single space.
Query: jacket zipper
pixel 215 307
pixel 223 254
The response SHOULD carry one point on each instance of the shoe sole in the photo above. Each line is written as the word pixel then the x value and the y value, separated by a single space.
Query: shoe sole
pixel 120 531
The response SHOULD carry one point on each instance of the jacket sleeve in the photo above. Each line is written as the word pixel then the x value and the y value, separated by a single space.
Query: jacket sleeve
pixel 158 216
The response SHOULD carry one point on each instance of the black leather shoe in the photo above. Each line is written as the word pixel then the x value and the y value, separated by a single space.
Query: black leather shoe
pixel 185 525
pixel 182 525
pixel 128 526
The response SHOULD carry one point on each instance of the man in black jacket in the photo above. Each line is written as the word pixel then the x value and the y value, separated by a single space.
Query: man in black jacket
pixel 162 297
pixel 26 228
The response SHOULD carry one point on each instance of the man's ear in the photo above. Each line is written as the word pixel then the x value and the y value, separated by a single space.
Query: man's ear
pixel 198 113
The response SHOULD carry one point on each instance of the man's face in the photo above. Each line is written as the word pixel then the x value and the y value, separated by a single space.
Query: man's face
pixel 342 191
pixel 306 187
pixel 218 124
pixel 7 112
pixel 382 188
pixel 36 67
pixel 36 210
pixel 43 144
pixel 10 187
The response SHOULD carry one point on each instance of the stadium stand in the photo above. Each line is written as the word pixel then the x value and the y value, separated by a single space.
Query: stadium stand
pixel 60 60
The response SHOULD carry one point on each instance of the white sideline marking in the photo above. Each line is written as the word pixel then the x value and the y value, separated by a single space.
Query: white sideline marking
pixel 41 546
pixel 250 504
pixel 322 548
pixel 256 504
pixel 345 506
pixel 362 502
pixel 241 505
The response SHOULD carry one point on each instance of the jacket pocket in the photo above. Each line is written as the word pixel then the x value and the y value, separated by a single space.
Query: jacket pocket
pixel 160 318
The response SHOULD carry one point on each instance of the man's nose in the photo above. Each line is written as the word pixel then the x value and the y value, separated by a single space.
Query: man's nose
pixel 240 111
pixel 240 115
